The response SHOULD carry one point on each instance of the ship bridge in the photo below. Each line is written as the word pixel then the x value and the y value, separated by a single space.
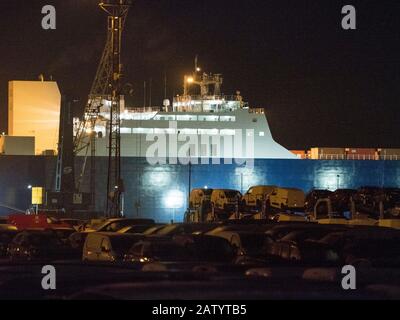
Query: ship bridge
pixel 208 103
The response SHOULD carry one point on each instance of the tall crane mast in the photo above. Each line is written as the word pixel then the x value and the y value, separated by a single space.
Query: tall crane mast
pixel 117 12
pixel 106 87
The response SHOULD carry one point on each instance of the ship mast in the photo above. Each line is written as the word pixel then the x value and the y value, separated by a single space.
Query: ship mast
pixel 204 81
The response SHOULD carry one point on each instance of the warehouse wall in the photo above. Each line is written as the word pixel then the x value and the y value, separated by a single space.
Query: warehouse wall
pixel 161 192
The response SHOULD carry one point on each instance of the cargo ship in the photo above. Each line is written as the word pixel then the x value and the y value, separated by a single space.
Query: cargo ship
pixel 160 190
pixel 202 124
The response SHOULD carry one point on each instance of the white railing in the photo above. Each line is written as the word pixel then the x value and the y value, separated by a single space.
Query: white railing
pixel 390 157
pixel 365 157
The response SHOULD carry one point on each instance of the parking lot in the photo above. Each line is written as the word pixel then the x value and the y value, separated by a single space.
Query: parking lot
pixel 140 259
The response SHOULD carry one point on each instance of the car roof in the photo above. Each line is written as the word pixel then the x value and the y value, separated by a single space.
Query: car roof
pixel 113 234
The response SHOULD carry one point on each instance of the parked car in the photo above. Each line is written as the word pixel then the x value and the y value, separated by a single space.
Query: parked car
pixel 278 231
pixel 107 246
pixel 287 198
pixel 72 222
pixel 367 195
pixel 39 221
pixel 309 254
pixel 256 195
pixel 249 242
pixel 77 240
pixel 204 248
pixel 186 248
pixel 114 225
pixel 295 247
pixel 341 199
pixel 184 228
pixel 198 196
pixel 367 246
pixel 153 230
pixel 223 199
pixel 63 234
pixel 313 196
pixel 156 249
pixel 39 245
pixel 391 200
pixel 139 228
pixel 6 236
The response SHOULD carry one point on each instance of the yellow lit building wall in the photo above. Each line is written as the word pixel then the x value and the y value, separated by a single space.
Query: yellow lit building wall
pixel 34 110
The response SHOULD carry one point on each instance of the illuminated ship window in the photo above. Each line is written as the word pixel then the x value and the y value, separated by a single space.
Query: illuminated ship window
pixel 164 118
pixel 170 131
pixel 126 130
pixel 262 134
pixel 208 118
pixel 227 132
pixel 250 133
pixel 187 118
pixel 227 119
pixel 188 131
pixel 142 130
pixel 210 132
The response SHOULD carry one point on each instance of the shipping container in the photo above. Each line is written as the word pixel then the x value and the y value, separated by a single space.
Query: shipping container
pixel 328 153
pixel 389 154
pixel 361 154
pixel 301 154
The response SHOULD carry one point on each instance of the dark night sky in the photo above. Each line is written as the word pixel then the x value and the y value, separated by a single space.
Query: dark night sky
pixel 320 85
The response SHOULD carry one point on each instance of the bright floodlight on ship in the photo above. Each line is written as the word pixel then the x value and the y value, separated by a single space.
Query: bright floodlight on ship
pixel 174 199
pixel 190 80
pixel 198 69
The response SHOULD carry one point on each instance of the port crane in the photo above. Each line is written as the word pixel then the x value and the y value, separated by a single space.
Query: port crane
pixel 106 87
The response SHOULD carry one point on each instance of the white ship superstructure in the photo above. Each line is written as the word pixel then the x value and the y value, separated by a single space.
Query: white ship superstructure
pixel 206 125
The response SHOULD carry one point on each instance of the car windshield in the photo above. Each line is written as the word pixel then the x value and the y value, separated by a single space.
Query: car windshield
pixel 136 229
pixel 207 192
pixel 123 244
pixel 211 249
pixel 332 238
pixel 231 194
pixel 113 226
pixel 43 240
pixel 303 235
pixel 253 242
pixel 169 251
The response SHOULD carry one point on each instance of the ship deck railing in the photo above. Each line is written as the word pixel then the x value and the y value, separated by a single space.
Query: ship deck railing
pixel 189 98
pixel 366 157
pixel 187 110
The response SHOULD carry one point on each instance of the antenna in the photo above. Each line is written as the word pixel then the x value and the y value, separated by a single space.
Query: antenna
pixel 144 93
pixel 151 93
pixel 196 64
pixel 165 85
